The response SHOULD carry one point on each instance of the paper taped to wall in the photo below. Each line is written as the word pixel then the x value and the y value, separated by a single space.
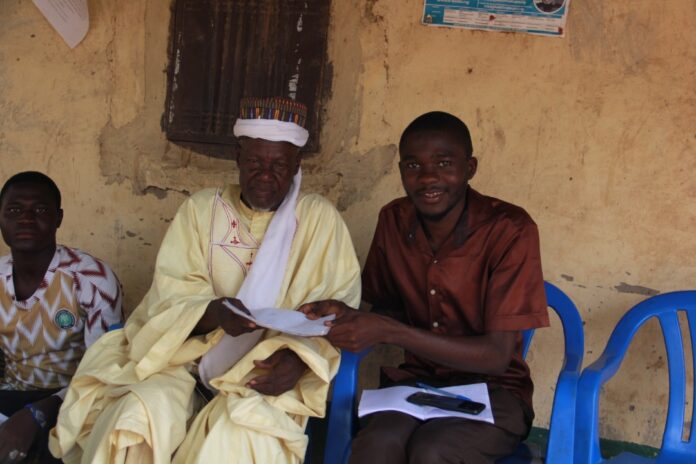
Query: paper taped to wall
pixel 70 18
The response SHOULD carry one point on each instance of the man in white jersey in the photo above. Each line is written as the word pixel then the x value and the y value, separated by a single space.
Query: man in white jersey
pixel 54 302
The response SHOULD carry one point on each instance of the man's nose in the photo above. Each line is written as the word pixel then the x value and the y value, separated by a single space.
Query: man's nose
pixel 27 215
pixel 265 172
pixel 428 175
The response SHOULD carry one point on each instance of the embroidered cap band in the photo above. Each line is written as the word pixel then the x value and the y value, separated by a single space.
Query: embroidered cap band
pixel 276 119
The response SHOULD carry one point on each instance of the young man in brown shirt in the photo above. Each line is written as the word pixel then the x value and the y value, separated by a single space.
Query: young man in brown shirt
pixel 453 277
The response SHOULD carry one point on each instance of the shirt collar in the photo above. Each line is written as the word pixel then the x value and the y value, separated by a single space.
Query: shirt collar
pixel 476 211
pixel 7 264
pixel 6 273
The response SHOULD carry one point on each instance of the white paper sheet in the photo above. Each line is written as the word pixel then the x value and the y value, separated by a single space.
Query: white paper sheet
pixel 394 399
pixel 285 320
pixel 70 18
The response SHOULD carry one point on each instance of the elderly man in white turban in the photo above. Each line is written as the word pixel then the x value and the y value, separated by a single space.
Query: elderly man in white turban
pixel 258 244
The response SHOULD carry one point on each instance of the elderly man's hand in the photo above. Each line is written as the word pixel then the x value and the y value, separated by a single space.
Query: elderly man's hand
pixel 284 368
pixel 318 309
pixel 230 322
pixel 17 434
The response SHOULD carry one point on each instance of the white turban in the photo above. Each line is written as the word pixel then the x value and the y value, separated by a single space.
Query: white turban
pixel 271 129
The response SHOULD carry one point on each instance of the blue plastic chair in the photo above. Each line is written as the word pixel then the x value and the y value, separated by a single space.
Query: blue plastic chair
pixel 674 450
pixel 342 419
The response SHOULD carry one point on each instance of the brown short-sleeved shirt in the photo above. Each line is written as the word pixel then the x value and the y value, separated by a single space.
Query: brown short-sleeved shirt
pixel 486 277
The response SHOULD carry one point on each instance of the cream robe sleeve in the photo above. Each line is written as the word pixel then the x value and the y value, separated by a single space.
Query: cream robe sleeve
pixel 115 399
pixel 181 290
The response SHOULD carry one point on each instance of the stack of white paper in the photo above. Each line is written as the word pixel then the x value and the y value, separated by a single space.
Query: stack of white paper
pixel 394 399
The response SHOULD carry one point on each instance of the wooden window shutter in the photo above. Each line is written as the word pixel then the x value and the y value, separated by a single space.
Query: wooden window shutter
pixel 223 50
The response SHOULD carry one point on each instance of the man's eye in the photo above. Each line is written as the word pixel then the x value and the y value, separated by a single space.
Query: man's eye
pixel 412 165
pixel 40 210
pixel 13 210
pixel 444 163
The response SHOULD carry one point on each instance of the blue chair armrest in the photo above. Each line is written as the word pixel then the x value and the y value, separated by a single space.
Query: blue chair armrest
pixel 342 424
pixel 572 326
pixel 562 424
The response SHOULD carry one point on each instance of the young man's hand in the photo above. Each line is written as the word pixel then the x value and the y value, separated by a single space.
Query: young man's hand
pixel 318 309
pixel 229 321
pixel 355 331
pixel 284 370
pixel 352 330
pixel 17 434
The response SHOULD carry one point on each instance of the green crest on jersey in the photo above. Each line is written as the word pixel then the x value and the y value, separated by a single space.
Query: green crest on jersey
pixel 65 319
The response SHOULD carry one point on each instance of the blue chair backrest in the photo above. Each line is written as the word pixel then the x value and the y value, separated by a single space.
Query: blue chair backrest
pixel 666 308
pixel 342 423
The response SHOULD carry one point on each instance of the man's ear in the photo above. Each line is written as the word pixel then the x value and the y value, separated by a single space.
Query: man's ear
pixel 60 218
pixel 472 162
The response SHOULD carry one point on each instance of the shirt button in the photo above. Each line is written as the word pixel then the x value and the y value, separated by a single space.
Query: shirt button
pixel 434 261
pixel 432 292
pixel 436 325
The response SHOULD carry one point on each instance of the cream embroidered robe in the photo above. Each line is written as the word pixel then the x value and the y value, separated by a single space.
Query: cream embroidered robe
pixel 132 395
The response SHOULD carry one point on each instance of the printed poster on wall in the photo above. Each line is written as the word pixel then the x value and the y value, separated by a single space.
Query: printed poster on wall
pixel 541 17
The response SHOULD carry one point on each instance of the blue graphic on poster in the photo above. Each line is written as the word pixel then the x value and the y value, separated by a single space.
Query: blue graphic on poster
pixel 541 17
